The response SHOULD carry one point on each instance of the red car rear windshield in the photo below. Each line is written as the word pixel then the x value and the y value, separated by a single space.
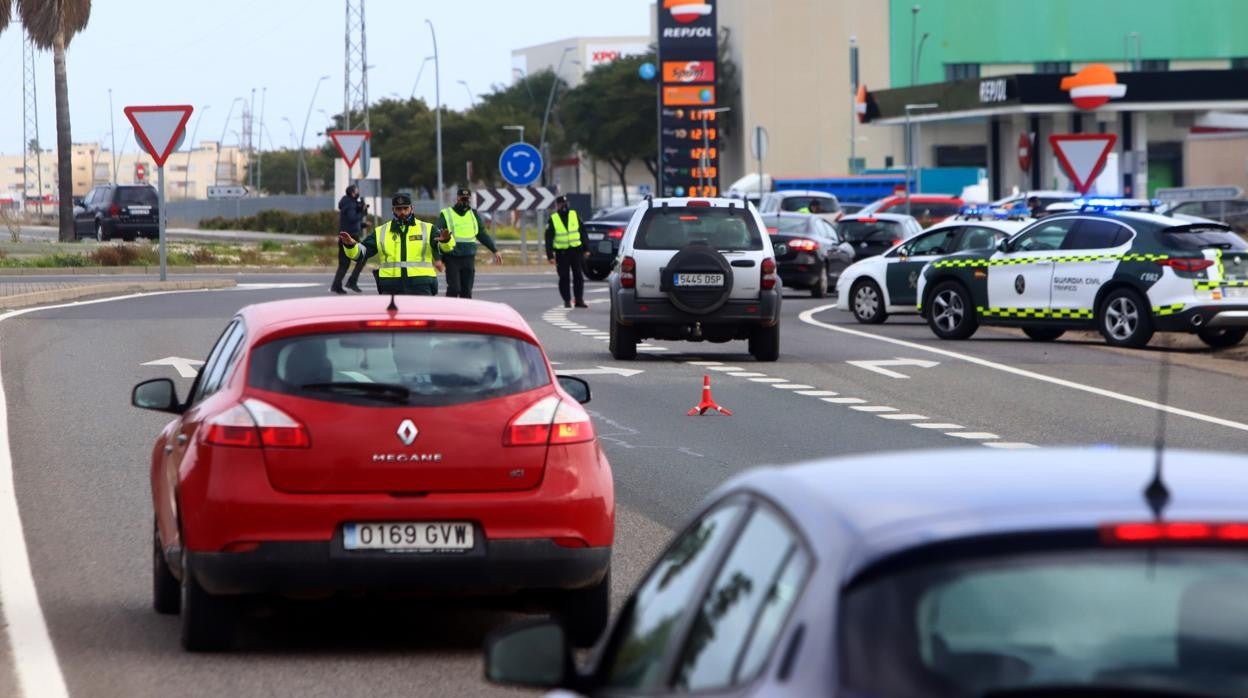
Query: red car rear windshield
pixel 418 367
pixel 1093 618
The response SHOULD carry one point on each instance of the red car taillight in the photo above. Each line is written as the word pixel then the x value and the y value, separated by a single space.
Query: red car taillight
pixel 803 245
pixel 1186 263
pixel 254 424
pixel 769 273
pixel 628 273
pixel 549 421
pixel 616 233
pixel 114 210
pixel 1174 532
pixel 896 242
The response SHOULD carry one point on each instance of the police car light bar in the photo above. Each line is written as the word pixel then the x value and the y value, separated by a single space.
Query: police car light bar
pixel 981 212
pixel 1116 204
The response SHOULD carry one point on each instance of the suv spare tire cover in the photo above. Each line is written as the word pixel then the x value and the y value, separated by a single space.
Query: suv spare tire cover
pixel 697 258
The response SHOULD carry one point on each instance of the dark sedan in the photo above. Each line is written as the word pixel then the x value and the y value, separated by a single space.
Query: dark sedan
pixel 953 573
pixel 604 232
pixel 809 252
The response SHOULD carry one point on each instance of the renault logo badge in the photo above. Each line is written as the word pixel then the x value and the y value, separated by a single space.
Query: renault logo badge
pixel 407 432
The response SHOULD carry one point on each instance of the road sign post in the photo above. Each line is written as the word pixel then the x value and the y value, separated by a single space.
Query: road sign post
pixel 759 146
pixel 159 130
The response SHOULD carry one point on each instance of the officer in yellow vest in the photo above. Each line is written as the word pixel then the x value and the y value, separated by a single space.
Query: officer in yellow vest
pixel 408 254
pixel 466 231
pixel 566 248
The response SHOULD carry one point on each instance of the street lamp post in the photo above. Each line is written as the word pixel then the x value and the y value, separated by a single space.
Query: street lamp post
pixel 437 98
pixel 853 107
pixel 190 147
pixel 909 145
pixel 418 74
pixel 303 135
pixel 524 77
pixel 112 137
pixel 472 101
pixel 520 128
pixel 550 100
pixel 914 35
pixel 918 57
pixel 216 172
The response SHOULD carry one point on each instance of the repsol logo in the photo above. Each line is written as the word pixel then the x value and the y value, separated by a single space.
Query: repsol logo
pixel 991 91
pixel 602 56
pixel 689 33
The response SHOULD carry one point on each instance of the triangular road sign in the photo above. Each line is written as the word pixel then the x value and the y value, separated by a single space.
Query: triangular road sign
pixel 1082 155
pixel 159 128
pixel 350 144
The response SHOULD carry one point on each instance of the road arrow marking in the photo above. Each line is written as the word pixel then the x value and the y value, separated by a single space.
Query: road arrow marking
pixel 600 371
pixel 878 366
pixel 187 368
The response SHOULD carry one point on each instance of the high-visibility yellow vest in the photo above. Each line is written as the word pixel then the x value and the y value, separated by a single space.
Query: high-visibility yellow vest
pixel 419 261
pixel 568 236
pixel 463 228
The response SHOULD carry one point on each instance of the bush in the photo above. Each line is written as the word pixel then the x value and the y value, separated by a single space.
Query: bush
pixel 270 246
pixel 123 255
pixel 202 255
pixel 276 221
pixel 67 260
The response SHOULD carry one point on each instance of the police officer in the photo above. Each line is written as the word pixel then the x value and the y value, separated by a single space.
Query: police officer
pixel 351 210
pixel 566 248
pixel 466 231
pixel 409 257
pixel 813 207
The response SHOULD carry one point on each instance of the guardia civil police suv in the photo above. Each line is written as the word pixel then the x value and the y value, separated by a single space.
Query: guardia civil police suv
pixel 1114 265
pixel 886 284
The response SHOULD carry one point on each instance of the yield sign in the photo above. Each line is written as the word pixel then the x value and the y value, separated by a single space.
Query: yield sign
pixel 1082 155
pixel 158 128
pixel 350 144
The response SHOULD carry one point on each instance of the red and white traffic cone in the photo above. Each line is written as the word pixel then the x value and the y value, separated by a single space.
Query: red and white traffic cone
pixel 708 402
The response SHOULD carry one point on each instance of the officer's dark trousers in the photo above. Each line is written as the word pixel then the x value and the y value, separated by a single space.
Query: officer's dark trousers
pixel 571 263
pixel 461 271
pixel 343 263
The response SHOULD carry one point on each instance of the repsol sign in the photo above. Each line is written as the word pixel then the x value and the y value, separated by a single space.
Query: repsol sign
pixel 689 33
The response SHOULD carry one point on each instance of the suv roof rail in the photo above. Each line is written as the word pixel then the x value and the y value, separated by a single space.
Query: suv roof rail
pixel 649 201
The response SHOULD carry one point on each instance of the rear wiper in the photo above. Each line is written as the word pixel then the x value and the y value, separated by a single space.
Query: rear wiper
pixel 1099 689
pixel 380 391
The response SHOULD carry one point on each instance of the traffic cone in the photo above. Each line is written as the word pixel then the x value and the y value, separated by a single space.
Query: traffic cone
pixel 708 402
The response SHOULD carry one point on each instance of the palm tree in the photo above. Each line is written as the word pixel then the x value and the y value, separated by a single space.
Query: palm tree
pixel 52 24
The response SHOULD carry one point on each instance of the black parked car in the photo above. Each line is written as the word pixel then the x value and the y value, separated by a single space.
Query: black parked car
pixel 604 233
pixel 809 252
pixel 111 210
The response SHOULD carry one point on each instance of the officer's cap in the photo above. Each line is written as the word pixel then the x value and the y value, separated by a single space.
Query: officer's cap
pixel 463 191
pixel 400 200
pixel 561 199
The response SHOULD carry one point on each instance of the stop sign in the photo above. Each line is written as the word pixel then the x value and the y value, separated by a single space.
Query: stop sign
pixel 1024 151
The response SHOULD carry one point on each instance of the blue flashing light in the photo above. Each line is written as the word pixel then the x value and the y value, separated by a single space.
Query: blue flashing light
pixel 982 212
pixel 1106 203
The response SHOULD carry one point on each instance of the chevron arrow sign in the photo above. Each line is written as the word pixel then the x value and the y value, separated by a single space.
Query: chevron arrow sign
pixel 515 198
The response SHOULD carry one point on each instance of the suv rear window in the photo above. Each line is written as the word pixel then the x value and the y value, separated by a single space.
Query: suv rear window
pixel 872 231
pixel 921 208
pixel 1199 237
pixel 1094 618
pixel 142 196
pixel 673 227
pixel 434 368
pixel 797 203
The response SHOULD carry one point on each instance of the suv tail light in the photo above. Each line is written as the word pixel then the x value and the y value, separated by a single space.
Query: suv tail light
pixel 1174 532
pixel 253 424
pixel 803 245
pixel 616 233
pixel 114 210
pixel 628 273
pixel 1186 263
pixel 769 273
pixel 549 421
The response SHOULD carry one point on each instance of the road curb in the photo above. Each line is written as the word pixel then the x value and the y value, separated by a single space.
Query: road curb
pixel 23 300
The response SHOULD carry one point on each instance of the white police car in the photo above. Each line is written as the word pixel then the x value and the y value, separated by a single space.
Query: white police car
pixel 1114 265
pixel 875 287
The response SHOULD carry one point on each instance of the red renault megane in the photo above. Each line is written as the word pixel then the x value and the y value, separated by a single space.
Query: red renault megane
pixel 340 444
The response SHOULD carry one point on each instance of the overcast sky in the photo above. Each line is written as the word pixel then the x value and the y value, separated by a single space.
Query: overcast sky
pixel 208 53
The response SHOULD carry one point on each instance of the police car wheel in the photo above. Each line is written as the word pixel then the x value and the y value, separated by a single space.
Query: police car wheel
pixel 1125 320
pixel 951 314
pixel 1222 337
pixel 1043 334
pixel 867 303
pixel 820 287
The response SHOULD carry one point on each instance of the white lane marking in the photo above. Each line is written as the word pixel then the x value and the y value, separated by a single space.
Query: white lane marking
pixel 705 363
pixel 597 300
pixel 938 425
pixel 808 318
pixel 792 386
pixel 725 368
pixel 266 287
pixel 38 671
pixel 907 417
pixel 818 393
pixel 844 400
pixel 747 374
pixel 769 379
pixel 978 435
pixel 604 289
pixel 878 366
pixel 1010 444
pixel 187 368
pixel 649 348
pixel 873 408
pixel 600 371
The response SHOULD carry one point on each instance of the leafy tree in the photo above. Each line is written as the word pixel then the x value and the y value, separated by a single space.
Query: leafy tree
pixel 280 166
pixel 51 24
pixel 612 116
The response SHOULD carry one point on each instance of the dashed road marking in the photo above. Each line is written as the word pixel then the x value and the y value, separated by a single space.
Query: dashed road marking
pixel 873 408
pixel 939 425
pixel 818 393
pixel 844 400
pixel 977 435
pixel 792 386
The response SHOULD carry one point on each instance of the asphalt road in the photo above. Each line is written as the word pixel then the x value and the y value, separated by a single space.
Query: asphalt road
pixel 80 463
